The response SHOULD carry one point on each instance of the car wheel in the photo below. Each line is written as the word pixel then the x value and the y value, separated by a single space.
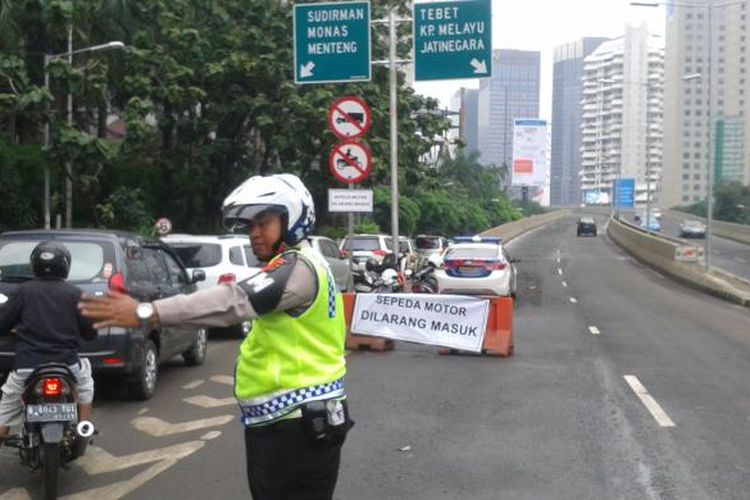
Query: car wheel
pixel 196 355
pixel 147 378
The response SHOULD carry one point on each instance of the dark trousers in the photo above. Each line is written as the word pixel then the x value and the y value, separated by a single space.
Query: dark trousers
pixel 283 463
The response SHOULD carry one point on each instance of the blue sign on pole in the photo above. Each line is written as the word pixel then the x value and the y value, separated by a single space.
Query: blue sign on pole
pixel 452 40
pixel 332 42
pixel 624 193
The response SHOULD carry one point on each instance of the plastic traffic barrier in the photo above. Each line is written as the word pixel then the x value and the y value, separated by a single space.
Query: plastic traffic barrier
pixel 362 342
pixel 498 339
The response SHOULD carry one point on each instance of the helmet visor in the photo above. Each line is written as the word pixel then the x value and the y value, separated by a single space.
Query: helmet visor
pixel 237 219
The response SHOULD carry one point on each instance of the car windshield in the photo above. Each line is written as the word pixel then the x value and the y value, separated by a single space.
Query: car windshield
pixel 428 243
pixel 90 261
pixel 365 244
pixel 472 252
pixel 198 254
pixel 587 220
pixel 693 223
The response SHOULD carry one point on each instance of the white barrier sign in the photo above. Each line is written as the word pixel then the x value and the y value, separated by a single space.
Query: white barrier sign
pixel 453 321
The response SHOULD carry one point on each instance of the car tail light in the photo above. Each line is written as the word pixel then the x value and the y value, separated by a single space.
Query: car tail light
pixel 344 253
pixel 227 278
pixel 117 283
pixel 51 386
pixel 113 361
pixel 453 263
pixel 379 253
pixel 495 265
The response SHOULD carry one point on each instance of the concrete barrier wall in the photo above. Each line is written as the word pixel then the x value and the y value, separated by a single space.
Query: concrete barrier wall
pixel 660 254
pixel 513 229
pixel 728 230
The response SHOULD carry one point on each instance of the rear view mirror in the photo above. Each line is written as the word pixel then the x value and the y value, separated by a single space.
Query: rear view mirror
pixel 199 275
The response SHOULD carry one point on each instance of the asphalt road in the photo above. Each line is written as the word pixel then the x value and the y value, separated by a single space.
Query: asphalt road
pixel 727 255
pixel 557 420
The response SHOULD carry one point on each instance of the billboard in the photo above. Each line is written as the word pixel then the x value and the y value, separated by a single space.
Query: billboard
pixel 529 152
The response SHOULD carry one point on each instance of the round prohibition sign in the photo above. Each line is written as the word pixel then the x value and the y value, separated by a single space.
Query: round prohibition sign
pixel 350 162
pixel 349 117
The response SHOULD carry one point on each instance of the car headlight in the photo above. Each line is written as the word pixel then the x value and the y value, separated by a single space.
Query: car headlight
pixel 3 298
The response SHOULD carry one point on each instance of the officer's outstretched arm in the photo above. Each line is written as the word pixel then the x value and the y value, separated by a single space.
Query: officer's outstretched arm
pixel 289 284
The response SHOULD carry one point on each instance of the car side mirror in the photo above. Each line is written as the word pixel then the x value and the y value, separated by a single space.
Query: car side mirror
pixel 199 275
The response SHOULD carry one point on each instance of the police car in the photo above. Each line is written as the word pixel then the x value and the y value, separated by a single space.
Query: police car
pixel 477 266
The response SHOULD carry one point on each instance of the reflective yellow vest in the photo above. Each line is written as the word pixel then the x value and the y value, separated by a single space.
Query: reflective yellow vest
pixel 287 360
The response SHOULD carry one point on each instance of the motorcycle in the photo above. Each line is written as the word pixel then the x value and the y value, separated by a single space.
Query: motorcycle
pixel 424 281
pixel 51 436
pixel 379 277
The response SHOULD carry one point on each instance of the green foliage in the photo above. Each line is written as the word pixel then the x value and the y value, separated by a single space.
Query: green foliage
pixel 126 209
pixel 367 226
pixel 21 185
pixel 206 94
pixel 731 203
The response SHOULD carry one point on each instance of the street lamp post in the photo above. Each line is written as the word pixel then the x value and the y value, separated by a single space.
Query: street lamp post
pixel 709 7
pixel 48 58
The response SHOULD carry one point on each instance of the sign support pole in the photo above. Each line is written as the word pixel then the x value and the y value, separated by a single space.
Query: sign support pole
pixel 394 130
pixel 350 237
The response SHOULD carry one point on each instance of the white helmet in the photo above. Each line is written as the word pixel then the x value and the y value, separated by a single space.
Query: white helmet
pixel 283 194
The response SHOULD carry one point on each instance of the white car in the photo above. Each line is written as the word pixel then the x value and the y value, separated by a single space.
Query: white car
pixel 366 246
pixel 477 266
pixel 339 265
pixel 225 259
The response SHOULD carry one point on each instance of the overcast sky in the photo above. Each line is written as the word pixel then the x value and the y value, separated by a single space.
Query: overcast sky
pixel 543 24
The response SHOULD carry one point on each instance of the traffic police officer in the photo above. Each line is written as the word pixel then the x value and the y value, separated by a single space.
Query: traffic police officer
pixel 289 378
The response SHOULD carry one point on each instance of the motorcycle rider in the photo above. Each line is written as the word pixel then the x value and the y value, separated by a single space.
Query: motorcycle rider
pixel 290 369
pixel 44 314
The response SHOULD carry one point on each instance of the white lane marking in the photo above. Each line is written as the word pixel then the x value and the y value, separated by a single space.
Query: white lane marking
pixel 740 259
pixel 210 402
pixel 142 411
pixel 559 271
pixel 565 284
pixel 193 384
pixel 158 427
pixel 649 402
pixel 223 379
pixel 594 330
pixel 100 461
pixel 558 259
pixel 16 494
pixel 211 435
pixel 574 300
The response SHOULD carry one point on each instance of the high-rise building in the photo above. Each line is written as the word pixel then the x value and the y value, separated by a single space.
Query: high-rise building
pixel 621 129
pixel 466 102
pixel 720 54
pixel 512 92
pixel 567 92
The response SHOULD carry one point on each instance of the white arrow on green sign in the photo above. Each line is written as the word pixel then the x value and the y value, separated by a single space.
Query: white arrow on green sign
pixel 332 42
pixel 452 40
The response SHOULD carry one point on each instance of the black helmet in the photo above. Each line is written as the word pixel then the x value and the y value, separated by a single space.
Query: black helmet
pixel 50 259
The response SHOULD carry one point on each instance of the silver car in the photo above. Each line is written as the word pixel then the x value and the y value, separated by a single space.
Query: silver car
pixel 339 265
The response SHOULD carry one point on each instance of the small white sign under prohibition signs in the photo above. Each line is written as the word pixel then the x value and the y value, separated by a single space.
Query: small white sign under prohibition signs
pixel 349 117
pixel 350 200
pixel 163 226
pixel 350 162
pixel 452 321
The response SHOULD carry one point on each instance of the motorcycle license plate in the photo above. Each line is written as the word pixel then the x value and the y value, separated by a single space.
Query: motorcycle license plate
pixel 52 412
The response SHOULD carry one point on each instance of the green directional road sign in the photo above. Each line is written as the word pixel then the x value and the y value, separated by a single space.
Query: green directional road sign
pixel 332 42
pixel 452 40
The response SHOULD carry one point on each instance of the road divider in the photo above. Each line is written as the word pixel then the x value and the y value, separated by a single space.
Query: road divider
pixel 663 253
pixel 516 228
